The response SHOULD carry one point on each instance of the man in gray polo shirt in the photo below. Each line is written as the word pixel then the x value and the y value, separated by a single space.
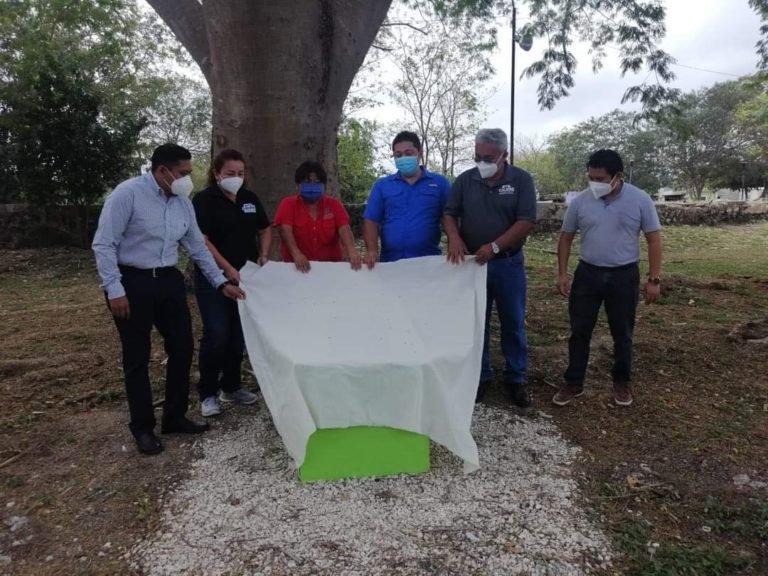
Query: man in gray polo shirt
pixel 490 212
pixel 609 216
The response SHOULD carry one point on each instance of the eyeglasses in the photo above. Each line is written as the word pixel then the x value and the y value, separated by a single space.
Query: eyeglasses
pixel 489 159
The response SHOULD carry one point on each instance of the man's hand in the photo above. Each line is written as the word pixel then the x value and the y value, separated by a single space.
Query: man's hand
pixel 355 260
pixel 370 259
pixel 484 254
pixel 652 292
pixel 234 292
pixel 120 308
pixel 301 262
pixel 564 285
pixel 233 275
pixel 456 250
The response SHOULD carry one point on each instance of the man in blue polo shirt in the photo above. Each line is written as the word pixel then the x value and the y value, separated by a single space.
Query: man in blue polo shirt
pixel 490 212
pixel 405 208
pixel 610 217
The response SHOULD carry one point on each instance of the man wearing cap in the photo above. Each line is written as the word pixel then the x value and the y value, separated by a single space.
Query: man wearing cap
pixel 136 246
pixel 490 212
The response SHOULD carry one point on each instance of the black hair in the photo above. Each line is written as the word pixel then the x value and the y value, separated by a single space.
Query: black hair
pixel 222 158
pixel 406 136
pixel 307 168
pixel 607 159
pixel 169 155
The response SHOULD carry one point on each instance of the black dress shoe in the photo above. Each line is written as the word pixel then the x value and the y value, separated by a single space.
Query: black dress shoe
pixel 184 426
pixel 520 395
pixel 148 443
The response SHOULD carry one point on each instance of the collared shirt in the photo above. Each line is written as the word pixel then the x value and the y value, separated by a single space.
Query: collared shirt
pixel 486 212
pixel 610 227
pixel 141 227
pixel 233 227
pixel 317 238
pixel 409 214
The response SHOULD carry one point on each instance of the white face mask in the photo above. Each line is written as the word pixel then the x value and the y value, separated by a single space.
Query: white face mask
pixel 231 185
pixel 600 189
pixel 182 186
pixel 487 169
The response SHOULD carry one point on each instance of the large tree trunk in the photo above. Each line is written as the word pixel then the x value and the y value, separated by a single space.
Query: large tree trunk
pixel 279 73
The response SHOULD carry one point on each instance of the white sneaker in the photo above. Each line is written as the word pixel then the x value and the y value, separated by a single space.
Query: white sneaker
pixel 241 396
pixel 210 407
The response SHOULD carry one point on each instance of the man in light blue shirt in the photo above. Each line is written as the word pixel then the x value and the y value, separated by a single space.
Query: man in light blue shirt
pixel 136 246
pixel 610 216
pixel 405 208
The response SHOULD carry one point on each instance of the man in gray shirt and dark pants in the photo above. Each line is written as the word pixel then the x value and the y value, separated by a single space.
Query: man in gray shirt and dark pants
pixel 490 212
pixel 136 245
pixel 610 216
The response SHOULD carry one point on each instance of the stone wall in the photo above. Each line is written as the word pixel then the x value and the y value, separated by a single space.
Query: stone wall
pixel 23 226
pixel 710 214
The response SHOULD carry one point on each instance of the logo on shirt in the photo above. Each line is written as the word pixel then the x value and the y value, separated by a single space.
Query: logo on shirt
pixel 249 208
pixel 506 189
pixel 432 185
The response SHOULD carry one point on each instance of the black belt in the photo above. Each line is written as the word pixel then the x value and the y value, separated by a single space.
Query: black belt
pixel 154 272
pixel 608 268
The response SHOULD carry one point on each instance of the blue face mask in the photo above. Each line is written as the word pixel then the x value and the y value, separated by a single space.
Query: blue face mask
pixel 407 165
pixel 311 191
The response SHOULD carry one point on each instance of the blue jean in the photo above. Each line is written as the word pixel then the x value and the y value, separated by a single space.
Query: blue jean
pixel 222 344
pixel 507 285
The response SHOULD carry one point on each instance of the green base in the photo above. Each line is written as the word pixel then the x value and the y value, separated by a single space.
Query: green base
pixel 361 451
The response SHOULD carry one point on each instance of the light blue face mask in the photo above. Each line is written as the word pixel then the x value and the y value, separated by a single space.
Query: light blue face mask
pixel 407 165
pixel 311 191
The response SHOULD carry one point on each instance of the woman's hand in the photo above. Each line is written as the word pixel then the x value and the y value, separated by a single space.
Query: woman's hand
pixel 301 262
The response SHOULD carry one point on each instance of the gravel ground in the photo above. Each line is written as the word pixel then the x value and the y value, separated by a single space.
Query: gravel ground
pixel 242 511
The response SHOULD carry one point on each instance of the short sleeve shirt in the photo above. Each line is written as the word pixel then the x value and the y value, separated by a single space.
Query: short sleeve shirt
pixel 486 212
pixel 232 227
pixel 317 238
pixel 610 228
pixel 408 214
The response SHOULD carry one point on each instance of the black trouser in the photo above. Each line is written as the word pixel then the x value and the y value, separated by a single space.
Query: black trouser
pixel 619 289
pixel 157 299
pixel 222 344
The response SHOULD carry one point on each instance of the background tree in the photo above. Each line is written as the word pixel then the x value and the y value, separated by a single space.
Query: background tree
pixel 181 113
pixel 638 142
pixel 73 91
pixel 357 159
pixel 535 156
pixel 279 72
pixel 704 139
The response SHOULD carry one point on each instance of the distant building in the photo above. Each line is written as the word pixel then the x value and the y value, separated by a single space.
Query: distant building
pixel 670 195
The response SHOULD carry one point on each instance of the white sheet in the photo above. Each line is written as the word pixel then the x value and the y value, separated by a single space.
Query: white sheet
pixel 398 346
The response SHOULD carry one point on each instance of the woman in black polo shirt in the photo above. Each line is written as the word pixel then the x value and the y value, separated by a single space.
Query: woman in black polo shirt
pixel 236 230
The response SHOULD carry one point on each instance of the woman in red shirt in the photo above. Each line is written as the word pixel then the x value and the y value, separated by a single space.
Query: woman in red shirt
pixel 314 226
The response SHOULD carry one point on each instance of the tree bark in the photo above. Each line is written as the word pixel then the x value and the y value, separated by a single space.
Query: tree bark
pixel 279 74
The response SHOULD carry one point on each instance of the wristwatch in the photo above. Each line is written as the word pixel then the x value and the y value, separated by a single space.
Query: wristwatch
pixel 221 286
pixel 495 248
pixel 655 280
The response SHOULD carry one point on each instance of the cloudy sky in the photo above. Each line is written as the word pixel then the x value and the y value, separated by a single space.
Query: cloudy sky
pixel 714 35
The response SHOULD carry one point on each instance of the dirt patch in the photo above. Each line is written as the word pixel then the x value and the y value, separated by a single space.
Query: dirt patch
pixel 665 477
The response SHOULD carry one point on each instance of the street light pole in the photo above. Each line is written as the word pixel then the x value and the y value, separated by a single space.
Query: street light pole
pixel 525 43
pixel 512 91
pixel 631 166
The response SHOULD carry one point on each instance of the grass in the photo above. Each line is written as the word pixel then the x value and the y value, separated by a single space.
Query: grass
pixel 698 420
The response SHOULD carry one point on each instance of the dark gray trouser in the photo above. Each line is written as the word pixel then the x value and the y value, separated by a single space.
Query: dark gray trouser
pixel 619 290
